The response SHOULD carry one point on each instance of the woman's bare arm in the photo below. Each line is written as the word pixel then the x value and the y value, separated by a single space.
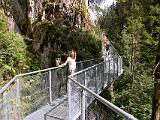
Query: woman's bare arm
pixel 65 63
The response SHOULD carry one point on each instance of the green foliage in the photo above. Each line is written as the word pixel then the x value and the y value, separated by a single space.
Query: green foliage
pixel 83 42
pixel 124 81
pixel 126 37
pixel 3 19
pixel 64 38
pixel 32 94
pixel 12 52
pixel 133 28
pixel 33 62
pixel 135 97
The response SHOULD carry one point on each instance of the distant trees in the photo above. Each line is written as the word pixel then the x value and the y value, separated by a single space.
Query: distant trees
pixel 156 97
pixel 133 28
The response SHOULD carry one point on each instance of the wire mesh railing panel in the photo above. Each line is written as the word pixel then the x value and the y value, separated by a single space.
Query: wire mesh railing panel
pixel 59 82
pixel 75 100
pixel 9 103
pixel 93 106
pixel 94 78
pixel 112 68
pixel 87 63
pixel 91 79
pixel 97 110
pixel 13 102
pixel 34 92
pixel 112 52
pixel 80 78
pixel 41 89
pixel 100 77
pixel 29 92
pixel 1 107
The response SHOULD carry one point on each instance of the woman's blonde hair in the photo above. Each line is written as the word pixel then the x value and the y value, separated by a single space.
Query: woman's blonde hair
pixel 72 54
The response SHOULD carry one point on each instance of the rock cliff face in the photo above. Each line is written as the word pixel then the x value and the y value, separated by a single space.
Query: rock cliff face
pixel 54 17
pixel 39 19
pixel 21 13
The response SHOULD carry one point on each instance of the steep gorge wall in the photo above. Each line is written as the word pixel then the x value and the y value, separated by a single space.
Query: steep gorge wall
pixel 20 12
pixel 48 30
pixel 40 20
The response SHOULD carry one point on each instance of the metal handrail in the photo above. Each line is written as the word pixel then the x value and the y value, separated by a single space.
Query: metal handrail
pixel 34 72
pixel 115 50
pixel 107 103
pixel 84 66
pixel 98 97
pixel 38 71
pixel 24 74
pixel 79 72
pixel 88 60
pixel 7 85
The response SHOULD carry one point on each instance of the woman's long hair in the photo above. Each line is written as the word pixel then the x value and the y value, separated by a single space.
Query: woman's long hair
pixel 72 54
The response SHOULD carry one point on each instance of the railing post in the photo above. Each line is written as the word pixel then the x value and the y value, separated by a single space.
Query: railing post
pixel 83 98
pixel 114 59
pixel 104 72
pixel 121 65
pixel 18 97
pixel 69 90
pixel 5 107
pixel 81 66
pixel 50 86
pixel 96 83
pixel 109 70
pixel 91 63
pixel 117 66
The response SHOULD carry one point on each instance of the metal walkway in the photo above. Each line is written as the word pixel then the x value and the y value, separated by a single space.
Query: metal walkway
pixel 52 95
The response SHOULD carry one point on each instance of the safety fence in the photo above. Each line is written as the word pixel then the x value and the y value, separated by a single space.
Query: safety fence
pixel 28 92
pixel 95 79
pixel 91 106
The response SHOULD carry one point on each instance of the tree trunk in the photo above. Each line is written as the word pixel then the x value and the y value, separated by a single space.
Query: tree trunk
pixel 156 97
pixel 132 42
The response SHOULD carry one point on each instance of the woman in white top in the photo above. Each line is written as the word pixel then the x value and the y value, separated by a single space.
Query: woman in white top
pixel 71 60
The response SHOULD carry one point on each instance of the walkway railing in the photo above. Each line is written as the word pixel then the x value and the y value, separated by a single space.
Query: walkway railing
pixel 29 92
pixel 26 93
pixel 84 88
pixel 100 109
